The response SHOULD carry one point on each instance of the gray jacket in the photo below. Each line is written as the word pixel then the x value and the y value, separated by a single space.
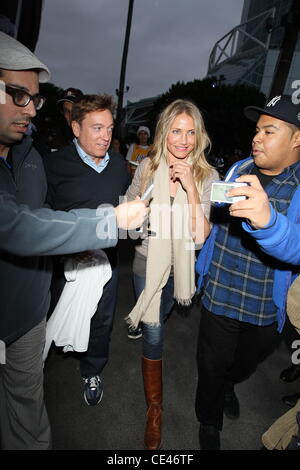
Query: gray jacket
pixel 28 231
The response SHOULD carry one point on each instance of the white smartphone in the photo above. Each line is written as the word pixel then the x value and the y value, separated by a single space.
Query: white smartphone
pixel 219 190
pixel 133 163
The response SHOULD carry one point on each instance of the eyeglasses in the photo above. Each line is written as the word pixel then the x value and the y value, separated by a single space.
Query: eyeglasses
pixel 22 98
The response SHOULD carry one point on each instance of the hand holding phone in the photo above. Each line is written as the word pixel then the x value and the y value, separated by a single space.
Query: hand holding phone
pixel 219 190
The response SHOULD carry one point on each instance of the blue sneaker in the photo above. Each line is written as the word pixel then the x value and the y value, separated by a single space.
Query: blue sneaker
pixel 93 391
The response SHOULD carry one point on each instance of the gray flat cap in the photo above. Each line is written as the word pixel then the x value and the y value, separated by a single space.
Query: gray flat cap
pixel 15 56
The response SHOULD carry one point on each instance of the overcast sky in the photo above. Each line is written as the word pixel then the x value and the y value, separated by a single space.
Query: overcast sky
pixel 170 41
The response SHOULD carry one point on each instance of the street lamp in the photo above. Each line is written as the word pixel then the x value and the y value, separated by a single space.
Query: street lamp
pixel 126 91
pixel 120 90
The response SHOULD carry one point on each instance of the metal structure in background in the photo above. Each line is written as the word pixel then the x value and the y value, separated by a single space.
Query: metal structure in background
pixel 264 50
pixel 291 23
pixel 228 46
pixel 137 114
pixel 120 91
pixel 21 19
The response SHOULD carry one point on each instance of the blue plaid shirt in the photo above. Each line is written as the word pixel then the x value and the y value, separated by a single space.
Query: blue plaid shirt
pixel 240 279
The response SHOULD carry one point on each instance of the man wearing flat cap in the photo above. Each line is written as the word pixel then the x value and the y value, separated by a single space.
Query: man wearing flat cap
pixel 28 232
pixel 244 297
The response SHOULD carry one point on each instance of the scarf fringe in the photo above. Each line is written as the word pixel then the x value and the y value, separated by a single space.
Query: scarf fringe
pixel 131 324
pixel 184 302
pixel 128 321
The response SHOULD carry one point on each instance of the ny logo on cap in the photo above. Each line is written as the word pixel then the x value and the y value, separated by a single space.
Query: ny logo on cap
pixel 274 101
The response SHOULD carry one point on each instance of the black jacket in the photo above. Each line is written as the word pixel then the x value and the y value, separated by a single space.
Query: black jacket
pixel 72 184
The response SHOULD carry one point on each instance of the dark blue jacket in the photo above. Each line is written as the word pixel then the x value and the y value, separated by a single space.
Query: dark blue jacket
pixel 24 281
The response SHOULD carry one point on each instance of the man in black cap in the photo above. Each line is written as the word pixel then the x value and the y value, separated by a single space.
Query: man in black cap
pixel 69 98
pixel 243 305
pixel 27 233
pixel 62 134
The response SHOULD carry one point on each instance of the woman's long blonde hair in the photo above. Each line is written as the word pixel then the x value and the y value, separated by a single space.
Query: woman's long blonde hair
pixel 201 167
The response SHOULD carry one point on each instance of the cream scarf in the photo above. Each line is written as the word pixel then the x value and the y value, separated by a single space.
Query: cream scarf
pixel 170 229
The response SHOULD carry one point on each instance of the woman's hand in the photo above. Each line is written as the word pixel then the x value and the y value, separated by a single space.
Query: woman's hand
pixel 182 172
pixel 199 226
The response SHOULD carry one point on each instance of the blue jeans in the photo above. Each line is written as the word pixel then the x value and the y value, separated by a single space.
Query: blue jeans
pixel 153 335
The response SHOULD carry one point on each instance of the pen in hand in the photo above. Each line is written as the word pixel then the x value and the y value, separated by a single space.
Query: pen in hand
pixel 147 192
pixel 143 197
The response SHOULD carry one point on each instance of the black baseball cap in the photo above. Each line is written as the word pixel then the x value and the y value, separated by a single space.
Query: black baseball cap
pixel 72 95
pixel 281 107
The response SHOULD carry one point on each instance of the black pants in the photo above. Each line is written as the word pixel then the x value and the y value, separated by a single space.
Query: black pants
pixel 228 352
pixel 93 361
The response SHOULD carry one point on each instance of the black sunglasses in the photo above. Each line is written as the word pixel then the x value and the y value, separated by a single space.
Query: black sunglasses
pixel 22 98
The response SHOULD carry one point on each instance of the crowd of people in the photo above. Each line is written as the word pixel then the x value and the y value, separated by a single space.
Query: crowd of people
pixel 64 209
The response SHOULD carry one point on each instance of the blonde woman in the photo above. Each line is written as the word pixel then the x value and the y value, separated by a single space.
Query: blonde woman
pixel 163 266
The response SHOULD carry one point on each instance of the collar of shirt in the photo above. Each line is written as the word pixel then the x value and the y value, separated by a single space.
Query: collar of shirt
pixel 5 161
pixel 87 159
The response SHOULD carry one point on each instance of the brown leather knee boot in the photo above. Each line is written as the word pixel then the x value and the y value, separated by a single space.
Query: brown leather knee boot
pixel 152 376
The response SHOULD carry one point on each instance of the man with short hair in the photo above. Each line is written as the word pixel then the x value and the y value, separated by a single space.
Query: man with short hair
pixel 276 234
pixel 86 173
pixel 27 232
pixel 243 305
